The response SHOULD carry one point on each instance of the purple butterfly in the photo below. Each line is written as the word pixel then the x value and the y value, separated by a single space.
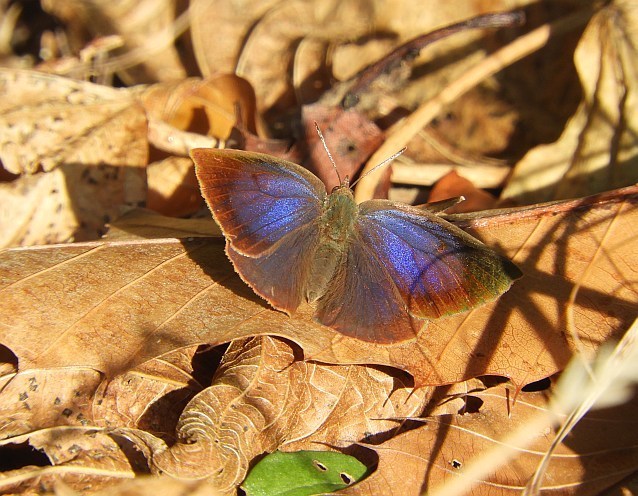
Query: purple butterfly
pixel 376 270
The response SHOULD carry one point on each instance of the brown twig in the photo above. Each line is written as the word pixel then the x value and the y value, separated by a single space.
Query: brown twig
pixel 411 49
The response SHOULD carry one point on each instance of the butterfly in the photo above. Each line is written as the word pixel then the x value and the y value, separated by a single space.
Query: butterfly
pixel 377 271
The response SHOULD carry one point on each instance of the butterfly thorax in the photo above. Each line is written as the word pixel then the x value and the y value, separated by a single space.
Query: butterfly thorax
pixel 336 226
pixel 339 217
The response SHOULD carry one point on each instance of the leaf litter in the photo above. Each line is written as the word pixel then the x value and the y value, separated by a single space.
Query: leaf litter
pixel 114 360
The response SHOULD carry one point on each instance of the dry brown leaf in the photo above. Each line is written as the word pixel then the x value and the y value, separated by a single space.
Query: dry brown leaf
pixel 139 223
pixel 83 458
pixel 50 120
pixel 173 188
pixel 39 399
pixel 147 28
pixel 206 106
pixel 598 150
pixel 71 203
pixel 111 306
pixel 36 210
pixel 600 451
pixel 453 185
pixel 262 399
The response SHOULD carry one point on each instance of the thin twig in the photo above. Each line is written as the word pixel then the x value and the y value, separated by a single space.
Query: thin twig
pixel 411 49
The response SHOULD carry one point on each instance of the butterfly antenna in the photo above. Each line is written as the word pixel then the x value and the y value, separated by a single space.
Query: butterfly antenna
pixel 378 166
pixel 323 141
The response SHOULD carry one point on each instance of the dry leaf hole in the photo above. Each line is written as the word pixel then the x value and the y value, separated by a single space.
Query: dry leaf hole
pixel 536 386
pixel 16 456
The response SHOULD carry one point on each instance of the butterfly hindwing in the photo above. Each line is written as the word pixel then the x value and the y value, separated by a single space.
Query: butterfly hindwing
pixel 280 276
pixel 362 302
pixel 438 268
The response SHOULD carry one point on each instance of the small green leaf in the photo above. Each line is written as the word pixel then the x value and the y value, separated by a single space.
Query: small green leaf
pixel 302 473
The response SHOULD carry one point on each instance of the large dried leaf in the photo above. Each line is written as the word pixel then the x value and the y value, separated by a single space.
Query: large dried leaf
pixel 262 400
pixel 111 306
pixel 598 150
pixel 48 120
pixel 600 451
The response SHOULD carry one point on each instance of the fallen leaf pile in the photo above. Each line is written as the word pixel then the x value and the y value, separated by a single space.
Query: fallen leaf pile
pixel 134 360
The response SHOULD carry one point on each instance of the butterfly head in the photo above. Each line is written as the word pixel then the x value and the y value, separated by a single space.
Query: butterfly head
pixel 345 184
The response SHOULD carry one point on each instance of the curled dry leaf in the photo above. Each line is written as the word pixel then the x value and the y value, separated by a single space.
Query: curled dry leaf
pixel 219 97
pixel 48 120
pixel 600 451
pixel 598 150
pixel 262 399
pixel 149 397
pixel 112 305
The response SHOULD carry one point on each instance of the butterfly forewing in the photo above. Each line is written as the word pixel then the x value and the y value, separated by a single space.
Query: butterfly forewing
pixel 255 198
